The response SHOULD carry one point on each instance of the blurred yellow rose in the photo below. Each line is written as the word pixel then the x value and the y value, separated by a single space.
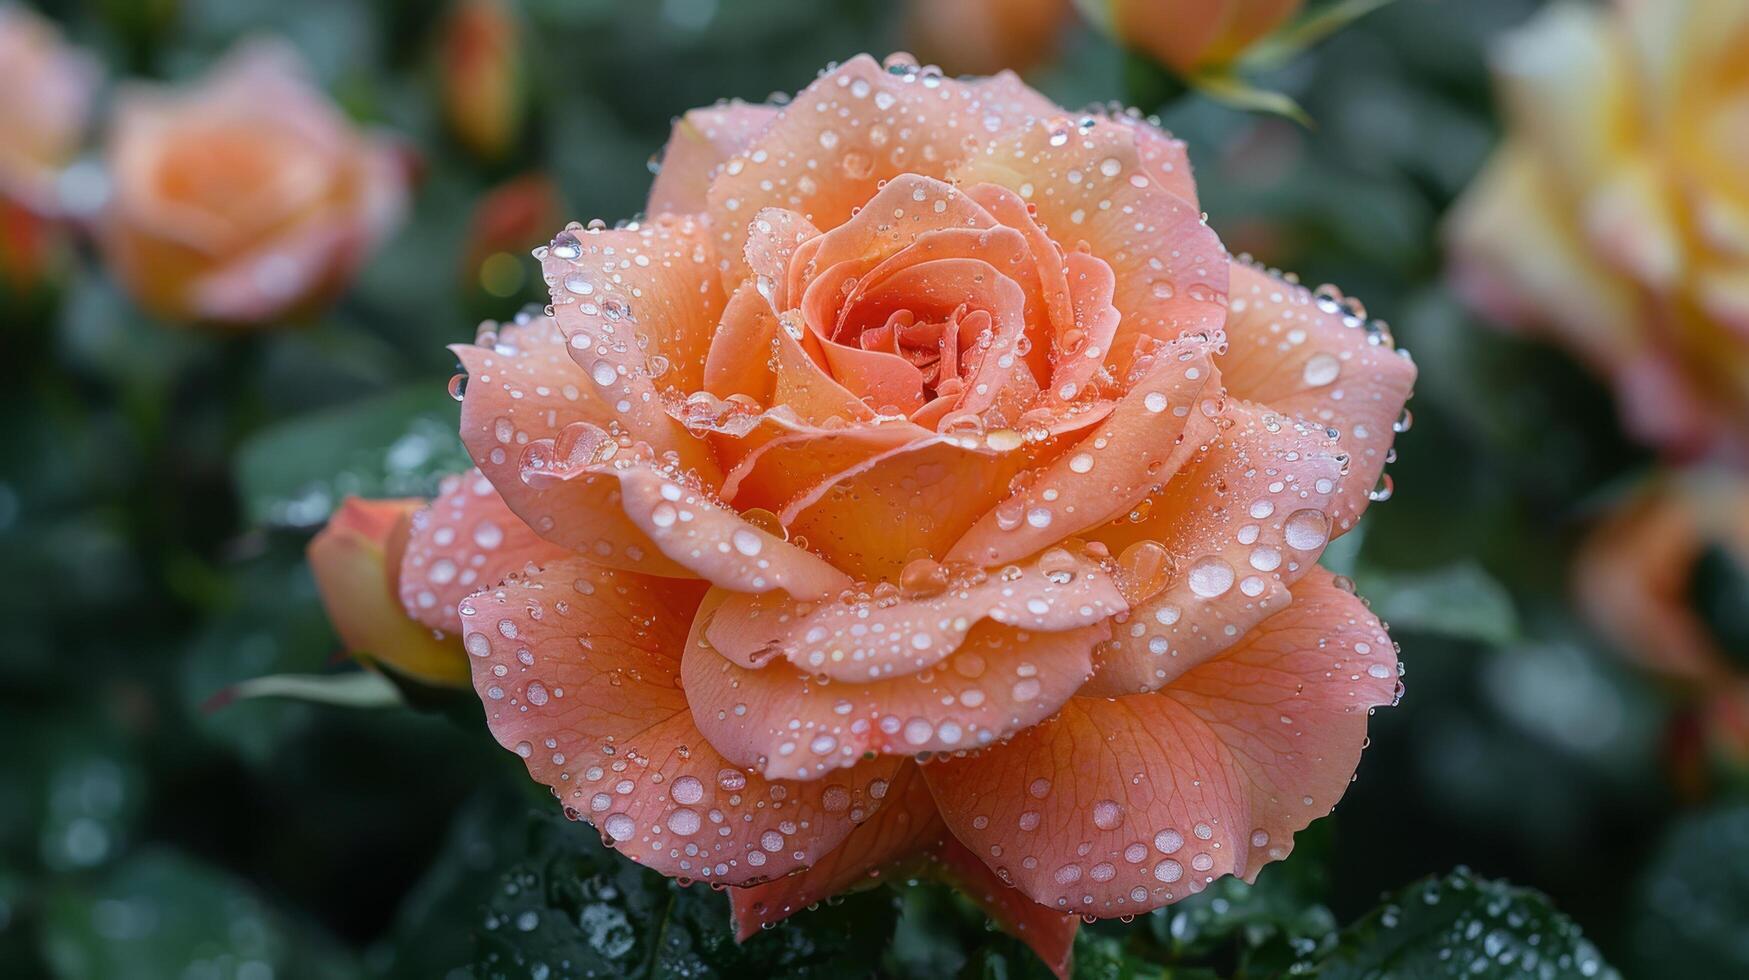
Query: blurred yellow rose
pixel 245 197
pixel 1615 214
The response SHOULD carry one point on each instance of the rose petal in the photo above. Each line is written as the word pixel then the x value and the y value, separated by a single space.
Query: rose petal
pixel 887 844
pixel 882 635
pixel 1048 933
pixel 578 668
pixel 701 142
pixel 1242 521
pixel 1089 183
pixel 789 725
pixel 1165 157
pixel 1120 806
pixel 854 127
pixel 523 389
pixel 907 208
pixel 740 354
pixel 1307 356
pixel 466 540
pixel 923 496
pixel 639 306
pixel 907 837
pixel 1137 447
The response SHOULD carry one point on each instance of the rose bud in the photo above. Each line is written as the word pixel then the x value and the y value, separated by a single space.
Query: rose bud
pixel 245 197
pixel 480 69
pixel 356 559
pixel 1189 36
pixel 506 225
pixel 389 593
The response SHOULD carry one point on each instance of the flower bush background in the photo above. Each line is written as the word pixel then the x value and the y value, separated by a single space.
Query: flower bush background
pixel 197 779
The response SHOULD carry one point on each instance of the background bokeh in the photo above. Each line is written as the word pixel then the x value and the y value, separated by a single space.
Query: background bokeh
pixel 160 483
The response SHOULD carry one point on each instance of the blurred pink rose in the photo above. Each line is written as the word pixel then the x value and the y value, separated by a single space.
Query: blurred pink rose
pixel 46 90
pixel 245 197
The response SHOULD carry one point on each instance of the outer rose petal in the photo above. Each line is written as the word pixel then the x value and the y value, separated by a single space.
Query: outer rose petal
pixel 893 841
pixel 468 539
pixel 883 635
pixel 1121 806
pixel 522 389
pixel 789 725
pixel 702 140
pixel 1306 356
pixel 907 836
pixel 854 127
pixel 578 668
pixel 1238 525
pixel 355 559
pixel 1171 268
pixel 1138 447
pixel 1049 933
pixel 639 306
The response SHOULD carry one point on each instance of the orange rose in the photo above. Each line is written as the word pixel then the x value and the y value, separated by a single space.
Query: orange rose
pixel 1190 36
pixel 980 37
pixel 1615 213
pixel 1635 582
pixel 923 486
pixel 244 198
pixel 46 90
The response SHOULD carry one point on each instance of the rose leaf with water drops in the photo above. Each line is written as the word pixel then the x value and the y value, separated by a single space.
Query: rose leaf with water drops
pixel 1460 925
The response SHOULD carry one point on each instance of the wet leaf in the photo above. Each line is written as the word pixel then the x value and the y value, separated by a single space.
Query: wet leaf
pixel 1461 601
pixel 1694 900
pixel 577 909
pixel 395 445
pixel 1460 925
pixel 164 914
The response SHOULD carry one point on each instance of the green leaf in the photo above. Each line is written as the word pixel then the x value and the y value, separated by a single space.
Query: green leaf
pixel 163 914
pixel 578 909
pixel 354 689
pixel 1461 601
pixel 1693 902
pixel 395 445
pixel 1283 45
pixel 1227 87
pixel 1464 926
